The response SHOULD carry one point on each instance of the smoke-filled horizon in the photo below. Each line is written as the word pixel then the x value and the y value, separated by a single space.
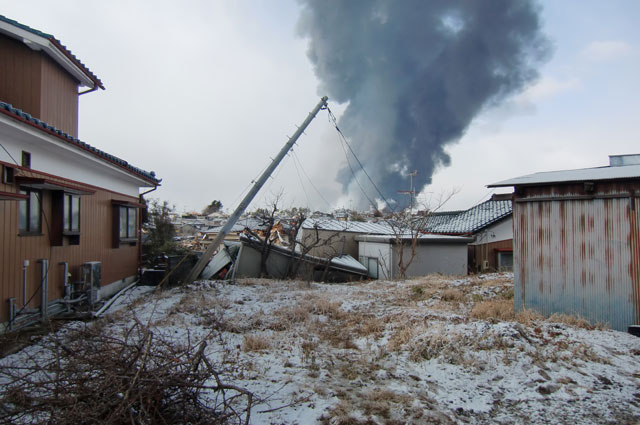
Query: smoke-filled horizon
pixel 415 73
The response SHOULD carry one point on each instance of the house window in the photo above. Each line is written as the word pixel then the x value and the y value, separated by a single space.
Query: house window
pixel 7 174
pixel 26 159
pixel 71 214
pixel 505 261
pixel 30 213
pixel 128 222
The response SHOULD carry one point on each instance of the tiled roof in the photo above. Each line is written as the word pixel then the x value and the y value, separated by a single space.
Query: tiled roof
pixel 436 219
pixel 58 45
pixel 16 113
pixel 334 225
pixel 474 219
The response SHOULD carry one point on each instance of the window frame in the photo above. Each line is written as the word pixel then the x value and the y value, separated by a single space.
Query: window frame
pixel 26 159
pixel 26 226
pixel 125 223
pixel 68 214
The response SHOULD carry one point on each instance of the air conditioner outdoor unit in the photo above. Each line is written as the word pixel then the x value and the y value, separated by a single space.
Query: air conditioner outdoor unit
pixel 485 264
pixel 91 273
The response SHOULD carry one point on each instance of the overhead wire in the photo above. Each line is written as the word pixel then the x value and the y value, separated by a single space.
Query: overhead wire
pixel 304 190
pixel 296 158
pixel 344 140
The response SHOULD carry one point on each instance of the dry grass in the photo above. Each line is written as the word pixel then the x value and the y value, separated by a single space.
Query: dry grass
pixel 336 335
pixel 368 325
pixel 252 343
pixel 452 295
pixel 325 307
pixel 293 314
pixel 494 309
pixel 379 402
pixel 573 320
pixel 400 338
pixel 528 317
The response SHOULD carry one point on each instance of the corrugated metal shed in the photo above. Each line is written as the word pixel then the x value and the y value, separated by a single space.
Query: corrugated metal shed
pixel 568 176
pixel 577 243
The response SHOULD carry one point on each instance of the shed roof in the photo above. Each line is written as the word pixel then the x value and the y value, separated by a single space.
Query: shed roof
pixel 15 113
pixel 38 40
pixel 623 172
pixel 474 219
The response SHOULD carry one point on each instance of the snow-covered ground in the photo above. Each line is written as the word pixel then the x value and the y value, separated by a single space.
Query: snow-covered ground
pixel 429 350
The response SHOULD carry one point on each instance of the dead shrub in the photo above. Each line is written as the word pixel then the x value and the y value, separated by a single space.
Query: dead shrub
pixel 252 343
pixel 494 309
pixel 95 377
pixel 309 348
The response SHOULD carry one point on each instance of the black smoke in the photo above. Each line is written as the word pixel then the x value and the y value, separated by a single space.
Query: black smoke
pixel 415 74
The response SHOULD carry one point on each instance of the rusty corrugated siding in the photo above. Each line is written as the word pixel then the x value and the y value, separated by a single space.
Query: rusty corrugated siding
pixel 579 255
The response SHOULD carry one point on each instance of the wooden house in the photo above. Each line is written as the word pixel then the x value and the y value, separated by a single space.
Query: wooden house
pixel 69 212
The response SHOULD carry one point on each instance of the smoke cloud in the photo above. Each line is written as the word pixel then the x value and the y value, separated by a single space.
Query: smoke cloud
pixel 415 73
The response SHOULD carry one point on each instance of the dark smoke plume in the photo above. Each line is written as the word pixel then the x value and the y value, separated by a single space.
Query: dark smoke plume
pixel 415 73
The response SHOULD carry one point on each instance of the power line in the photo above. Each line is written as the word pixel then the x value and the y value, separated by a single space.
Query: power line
pixel 296 158
pixel 346 155
pixel 344 139
pixel 301 183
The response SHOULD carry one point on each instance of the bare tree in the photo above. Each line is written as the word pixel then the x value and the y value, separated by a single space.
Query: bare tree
pixel 407 228
pixel 301 246
pixel 268 217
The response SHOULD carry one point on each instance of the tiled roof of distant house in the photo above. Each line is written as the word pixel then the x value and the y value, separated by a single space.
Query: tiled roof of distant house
pixel 26 118
pixel 474 219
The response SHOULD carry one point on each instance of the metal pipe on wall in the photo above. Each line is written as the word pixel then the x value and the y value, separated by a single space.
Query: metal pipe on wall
pixel 25 266
pixel 44 290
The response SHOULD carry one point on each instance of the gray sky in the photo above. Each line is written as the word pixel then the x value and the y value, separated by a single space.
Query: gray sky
pixel 205 92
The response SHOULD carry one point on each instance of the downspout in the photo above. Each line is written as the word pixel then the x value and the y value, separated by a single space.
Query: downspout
pixel 140 198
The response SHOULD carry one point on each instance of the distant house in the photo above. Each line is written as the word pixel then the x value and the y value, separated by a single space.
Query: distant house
pixel 69 212
pixel 491 226
pixel 577 242
pixel 242 259
pixel 433 254
pixel 330 237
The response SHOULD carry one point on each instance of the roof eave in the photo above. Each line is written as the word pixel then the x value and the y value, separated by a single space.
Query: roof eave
pixel 55 50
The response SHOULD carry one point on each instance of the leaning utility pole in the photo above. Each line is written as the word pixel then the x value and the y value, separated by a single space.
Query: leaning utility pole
pixel 206 257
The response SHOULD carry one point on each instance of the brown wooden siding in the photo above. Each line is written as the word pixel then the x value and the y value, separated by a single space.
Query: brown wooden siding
pixel 20 76
pixel 487 252
pixel 59 101
pixel 35 83
pixel 95 245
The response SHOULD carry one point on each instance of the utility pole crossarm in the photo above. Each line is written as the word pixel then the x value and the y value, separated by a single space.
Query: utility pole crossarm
pixel 206 257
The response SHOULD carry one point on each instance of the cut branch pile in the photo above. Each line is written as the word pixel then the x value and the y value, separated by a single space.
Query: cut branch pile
pixel 91 377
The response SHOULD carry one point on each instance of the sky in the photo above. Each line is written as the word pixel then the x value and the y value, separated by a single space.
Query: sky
pixel 205 93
